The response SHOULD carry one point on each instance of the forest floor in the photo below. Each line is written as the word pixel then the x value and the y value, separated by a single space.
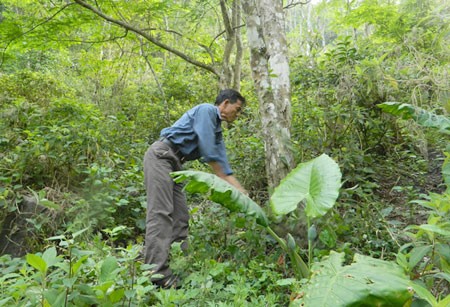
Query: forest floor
pixel 402 186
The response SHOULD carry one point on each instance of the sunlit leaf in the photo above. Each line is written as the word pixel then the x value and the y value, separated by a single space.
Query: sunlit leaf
pixel 50 256
pixel 444 302
pixel 424 293
pixel 79 232
pixel 365 282
pixel 37 262
pixel 55 297
pixel 417 254
pixel 221 192
pixel 317 182
pixel 435 229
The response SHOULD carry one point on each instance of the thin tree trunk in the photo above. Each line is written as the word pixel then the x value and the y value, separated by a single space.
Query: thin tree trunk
pixel 231 74
pixel 239 48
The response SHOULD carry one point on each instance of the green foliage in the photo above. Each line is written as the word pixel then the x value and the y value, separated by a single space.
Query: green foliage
pixel 384 17
pixel 222 192
pixel 354 56
pixel 85 274
pixel 76 277
pixel 78 104
pixel 377 272
pixel 426 258
pixel 61 138
pixel 371 281
pixel 365 282
pixel 63 144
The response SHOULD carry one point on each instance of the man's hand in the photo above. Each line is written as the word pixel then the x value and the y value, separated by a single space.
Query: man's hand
pixel 228 178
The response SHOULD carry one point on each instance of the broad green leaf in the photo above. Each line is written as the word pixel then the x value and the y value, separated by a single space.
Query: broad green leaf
pixel 286 281
pixel 5 300
pixel 222 193
pixel 421 116
pixel 37 262
pixel 49 204
pixel 435 229
pixel 402 261
pixel 417 254
pixel 55 297
pixel 365 282
pixel 424 293
pixel 317 182
pixel 404 110
pixel 103 288
pixel 69 282
pixel 50 256
pixel 444 302
pixel 79 232
pixel 108 269
pixel 117 295
pixel 76 266
pixel 60 237
pixel 445 276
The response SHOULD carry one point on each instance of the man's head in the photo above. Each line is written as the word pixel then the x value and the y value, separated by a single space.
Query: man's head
pixel 230 103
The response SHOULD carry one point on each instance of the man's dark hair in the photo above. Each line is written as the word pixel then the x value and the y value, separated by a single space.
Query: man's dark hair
pixel 230 94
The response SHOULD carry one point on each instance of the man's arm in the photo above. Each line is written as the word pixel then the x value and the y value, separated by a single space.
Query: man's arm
pixel 229 178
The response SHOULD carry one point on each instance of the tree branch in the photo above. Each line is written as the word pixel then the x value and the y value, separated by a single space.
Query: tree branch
pixel 166 103
pixel 30 30
pixel 114 38
pixel 295 3
pixel 147 37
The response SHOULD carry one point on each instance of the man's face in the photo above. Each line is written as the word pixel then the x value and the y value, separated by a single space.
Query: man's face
pixel 230 111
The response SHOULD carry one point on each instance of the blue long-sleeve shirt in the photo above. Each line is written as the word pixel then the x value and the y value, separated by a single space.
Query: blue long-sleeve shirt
pixel 198 134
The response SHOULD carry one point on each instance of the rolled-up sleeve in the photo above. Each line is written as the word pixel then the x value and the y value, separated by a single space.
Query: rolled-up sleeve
pixel 210 142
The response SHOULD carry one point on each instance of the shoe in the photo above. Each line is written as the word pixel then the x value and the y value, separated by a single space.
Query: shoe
pixel 172 281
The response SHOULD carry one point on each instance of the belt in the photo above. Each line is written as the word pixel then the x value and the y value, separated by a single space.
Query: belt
pixel 174 148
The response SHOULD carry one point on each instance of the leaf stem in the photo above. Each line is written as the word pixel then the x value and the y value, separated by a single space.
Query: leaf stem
pixel 300 267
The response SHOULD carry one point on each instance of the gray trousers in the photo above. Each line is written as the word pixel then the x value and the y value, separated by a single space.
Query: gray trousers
pixel 167 212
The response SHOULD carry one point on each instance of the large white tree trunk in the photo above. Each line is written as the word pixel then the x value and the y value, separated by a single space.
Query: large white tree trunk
pixel 270 71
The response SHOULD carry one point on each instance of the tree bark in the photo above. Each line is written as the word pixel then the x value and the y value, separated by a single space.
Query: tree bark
pixel 270 71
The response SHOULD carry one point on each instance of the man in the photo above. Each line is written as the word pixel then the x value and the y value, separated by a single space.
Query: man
pixel 197 134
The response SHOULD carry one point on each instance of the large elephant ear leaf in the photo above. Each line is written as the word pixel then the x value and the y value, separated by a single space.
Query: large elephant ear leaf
pixel 317 182
pixel 421 116
pixel 221 192
pixel 365 282
pixel 403 110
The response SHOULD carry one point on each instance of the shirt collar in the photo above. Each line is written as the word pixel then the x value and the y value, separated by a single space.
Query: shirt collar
pixel 218 113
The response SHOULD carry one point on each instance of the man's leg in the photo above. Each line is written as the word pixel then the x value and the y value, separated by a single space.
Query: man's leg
pixel 180 218
pixel 159 223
